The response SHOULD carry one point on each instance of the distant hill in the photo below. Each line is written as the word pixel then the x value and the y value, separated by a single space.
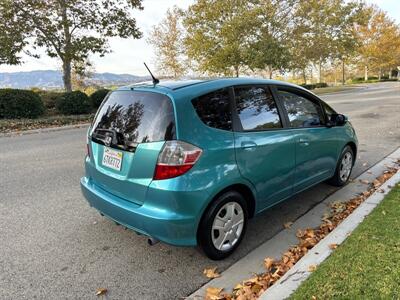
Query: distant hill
pixel 50 79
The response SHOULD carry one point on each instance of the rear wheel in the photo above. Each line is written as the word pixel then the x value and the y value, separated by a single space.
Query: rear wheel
pixel 343 168
pixel 223 225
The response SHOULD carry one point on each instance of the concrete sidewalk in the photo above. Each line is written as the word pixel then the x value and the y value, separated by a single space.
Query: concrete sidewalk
pixel 252 263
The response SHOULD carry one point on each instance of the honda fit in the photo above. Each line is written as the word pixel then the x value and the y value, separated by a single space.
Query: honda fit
pixel 190 162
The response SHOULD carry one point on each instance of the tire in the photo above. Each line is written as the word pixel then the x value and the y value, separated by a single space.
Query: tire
pixel 339 179
pixel 225 213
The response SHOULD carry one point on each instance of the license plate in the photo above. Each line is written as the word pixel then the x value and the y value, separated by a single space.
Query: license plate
pixel 112 159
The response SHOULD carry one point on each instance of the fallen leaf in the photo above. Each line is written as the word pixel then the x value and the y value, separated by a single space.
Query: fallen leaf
pixel 101 291
pixel 383 212
pixel 312 268
pixel 364 181
pixel 211 273
pixel 268 262
pixel 213 293
pixel 287 225
pixel 381 191
pixel 333 246
pixel 365 164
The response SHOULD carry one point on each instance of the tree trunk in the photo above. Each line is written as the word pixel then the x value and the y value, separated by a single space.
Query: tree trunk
pixel 67 75
pixel 67 56
pixel 304 76
pixel 343 75
pixel 366 73
pixel 237 71
pixel 320 71
pixel 380 74
pixel 270 71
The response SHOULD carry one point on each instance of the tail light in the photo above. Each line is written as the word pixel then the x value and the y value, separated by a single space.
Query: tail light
pixel 175 159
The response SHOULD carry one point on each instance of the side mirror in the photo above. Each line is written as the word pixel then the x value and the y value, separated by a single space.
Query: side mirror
pixel 340 120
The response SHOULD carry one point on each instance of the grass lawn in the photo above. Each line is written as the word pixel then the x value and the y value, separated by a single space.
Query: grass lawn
pixel 367 264
pixel 11 125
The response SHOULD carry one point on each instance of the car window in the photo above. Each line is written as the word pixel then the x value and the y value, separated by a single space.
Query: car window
pixel 214 110
pixel 329 111
pixel 302 112
pixel 256 108
pixel 128 118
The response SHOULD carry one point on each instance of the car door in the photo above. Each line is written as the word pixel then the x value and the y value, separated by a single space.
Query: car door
pixel 316 144
pixel 265 150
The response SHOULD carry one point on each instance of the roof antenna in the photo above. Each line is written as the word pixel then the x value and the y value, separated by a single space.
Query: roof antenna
pixel 155 80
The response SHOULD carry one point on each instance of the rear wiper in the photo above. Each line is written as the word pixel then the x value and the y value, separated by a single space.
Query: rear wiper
pixel 117 139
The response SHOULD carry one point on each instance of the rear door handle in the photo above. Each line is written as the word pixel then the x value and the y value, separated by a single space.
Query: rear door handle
pixel 248 145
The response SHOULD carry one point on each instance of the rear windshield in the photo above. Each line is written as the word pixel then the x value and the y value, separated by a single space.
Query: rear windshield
pixel 128 118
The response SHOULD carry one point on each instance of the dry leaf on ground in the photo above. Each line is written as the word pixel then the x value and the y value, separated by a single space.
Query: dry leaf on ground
pixel 312 268
pixel 364 181
pixel 211 273
pixel 287 225
pixel 333 246
pixel 268 262
pixel 213 293
pixel 101 291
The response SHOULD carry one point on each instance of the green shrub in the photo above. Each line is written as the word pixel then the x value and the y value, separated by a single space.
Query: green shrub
pixel 98 96
pixel 317 85
pixel 50 98
pixel 73 103
pixel 321 85
pixel 20 104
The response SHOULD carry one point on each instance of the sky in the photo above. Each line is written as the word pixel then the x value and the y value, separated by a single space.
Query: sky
pixel 128 55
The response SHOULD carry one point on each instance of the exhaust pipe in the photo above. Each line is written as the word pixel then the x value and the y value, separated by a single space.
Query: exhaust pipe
pixel 152 241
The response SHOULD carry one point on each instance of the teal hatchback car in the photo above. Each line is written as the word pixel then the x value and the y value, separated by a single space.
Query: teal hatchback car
pixel 189 162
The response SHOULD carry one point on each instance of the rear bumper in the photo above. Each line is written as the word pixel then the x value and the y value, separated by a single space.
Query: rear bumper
pixel 164 225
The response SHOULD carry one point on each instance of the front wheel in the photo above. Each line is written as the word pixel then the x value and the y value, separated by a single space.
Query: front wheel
pixel 223 225
pixel 343 168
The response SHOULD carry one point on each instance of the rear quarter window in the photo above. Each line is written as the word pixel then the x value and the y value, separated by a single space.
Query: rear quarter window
pixel 214 109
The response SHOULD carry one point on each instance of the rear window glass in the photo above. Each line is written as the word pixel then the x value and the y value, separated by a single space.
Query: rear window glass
pixel 128 118
pixel 213 109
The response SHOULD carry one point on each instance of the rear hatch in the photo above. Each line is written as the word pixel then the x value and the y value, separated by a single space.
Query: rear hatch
pixel 126 137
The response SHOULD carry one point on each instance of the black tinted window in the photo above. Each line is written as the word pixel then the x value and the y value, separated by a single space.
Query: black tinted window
pixel 213 109
pixel 128 117
pixel 256 108
pixel 329 111
pixel 302 112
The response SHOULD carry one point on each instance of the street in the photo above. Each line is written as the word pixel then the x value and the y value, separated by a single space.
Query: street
pixel 54 246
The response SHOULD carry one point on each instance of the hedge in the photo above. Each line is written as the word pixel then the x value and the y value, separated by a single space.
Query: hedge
pixel 15 104
pixel 73 103
pixel 98 96
pixel 315 85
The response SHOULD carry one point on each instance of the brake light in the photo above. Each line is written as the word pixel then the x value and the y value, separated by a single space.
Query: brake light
pixel 175 159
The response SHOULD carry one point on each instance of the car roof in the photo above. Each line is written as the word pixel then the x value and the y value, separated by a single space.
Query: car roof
pixel 188 89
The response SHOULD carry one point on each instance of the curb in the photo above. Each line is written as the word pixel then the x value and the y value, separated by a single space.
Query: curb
pixel 43 130
pixel 252 263
pixel 289 282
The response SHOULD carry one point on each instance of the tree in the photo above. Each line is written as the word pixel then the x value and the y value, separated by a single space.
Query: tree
pixel 12 36
pixel 326 29
pixel 217 34
pixel 72 29
pixel 81 72
pixel 269 38
pixel 380 43
pixel 167 39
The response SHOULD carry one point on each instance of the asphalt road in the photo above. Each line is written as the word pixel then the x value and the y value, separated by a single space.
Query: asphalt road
pixel 54 246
